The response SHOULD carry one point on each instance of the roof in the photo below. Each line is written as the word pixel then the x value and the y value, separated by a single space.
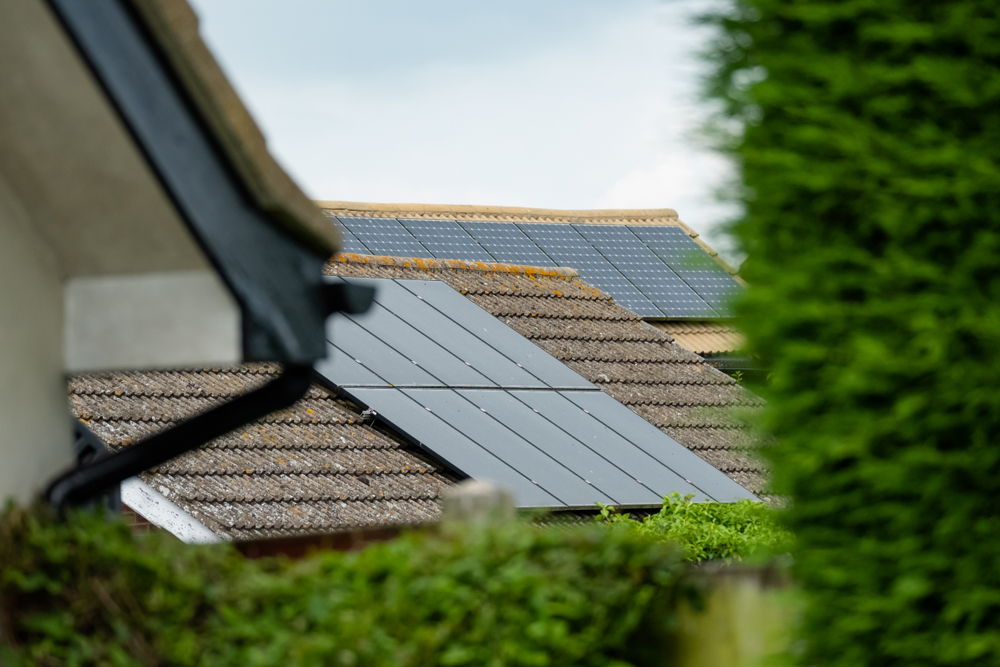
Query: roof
pixel 174 27
pixel 314 468
pixel 703 337
pixel 646 216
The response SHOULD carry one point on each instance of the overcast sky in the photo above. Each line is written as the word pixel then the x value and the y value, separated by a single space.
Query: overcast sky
pixel 547 103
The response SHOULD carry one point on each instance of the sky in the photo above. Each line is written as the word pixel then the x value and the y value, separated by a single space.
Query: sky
pixel 572 104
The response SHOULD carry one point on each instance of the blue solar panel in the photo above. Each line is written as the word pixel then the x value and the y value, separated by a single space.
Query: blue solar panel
pixel 689 260
pixel 446 239
pixel 349 242
pixel 385 236
pixel 568 248
pixel 647 272
pixel 506 243
pixel 655 271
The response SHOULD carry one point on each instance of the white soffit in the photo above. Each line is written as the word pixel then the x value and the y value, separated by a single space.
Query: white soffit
pixel 155 508
pixel 149 321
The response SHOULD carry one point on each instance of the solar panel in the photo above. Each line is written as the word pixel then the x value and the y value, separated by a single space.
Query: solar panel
pixel 492 405
pixel 647 272
pixel 446 239
pixel 568 248
pixel 506 243
pixel 702 273
pixel 385 236
pixel 655 271
pixel 349 242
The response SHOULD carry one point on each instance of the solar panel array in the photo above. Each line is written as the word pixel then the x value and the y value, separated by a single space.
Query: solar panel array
pixel 492 405
pixel 656 271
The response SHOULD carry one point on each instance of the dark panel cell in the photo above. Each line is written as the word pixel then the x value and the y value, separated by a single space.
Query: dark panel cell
pixel 676 248
pixel 341 369
pixel 430 355
pixel 659 445
pixel 496 334
pixel 717 288
pixel 519 415
pixel 449 445
pixel 446 239
pixel 385 236
pixel 469 349
pixel 524 456
pixel 376 355
pixel 657 479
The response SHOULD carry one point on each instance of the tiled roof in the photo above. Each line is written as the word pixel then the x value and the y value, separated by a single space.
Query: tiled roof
pixel 312 468
pixel 612 216
pixel 614 348
pixel 704 337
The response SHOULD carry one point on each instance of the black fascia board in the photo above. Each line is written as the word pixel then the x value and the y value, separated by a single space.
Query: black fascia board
pixel 275 279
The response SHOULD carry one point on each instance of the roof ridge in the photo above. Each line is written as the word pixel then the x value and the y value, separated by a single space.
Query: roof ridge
pixel 425 264
pixel 499 212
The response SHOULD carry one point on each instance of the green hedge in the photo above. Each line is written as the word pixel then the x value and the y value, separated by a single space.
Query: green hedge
pixel 85 592
pixel 711 531
pixel 871 179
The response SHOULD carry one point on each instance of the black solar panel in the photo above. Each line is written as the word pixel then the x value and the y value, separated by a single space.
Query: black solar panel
pixel 492 405
pixel 446 239
pixel 506 243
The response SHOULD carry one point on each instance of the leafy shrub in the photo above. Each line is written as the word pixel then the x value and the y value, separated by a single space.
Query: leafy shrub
pixel 711 531
pixel 871 179
pixel 84 592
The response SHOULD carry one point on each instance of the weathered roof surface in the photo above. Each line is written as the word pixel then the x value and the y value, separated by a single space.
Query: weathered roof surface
pixel 644 216
pixel 312 468
pixel 174 27
pixel 635 363
pixel 703 337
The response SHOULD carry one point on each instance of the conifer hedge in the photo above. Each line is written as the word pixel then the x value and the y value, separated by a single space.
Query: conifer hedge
pixel 871 179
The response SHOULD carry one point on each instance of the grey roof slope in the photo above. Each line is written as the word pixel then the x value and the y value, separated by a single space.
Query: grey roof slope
pixel 313 468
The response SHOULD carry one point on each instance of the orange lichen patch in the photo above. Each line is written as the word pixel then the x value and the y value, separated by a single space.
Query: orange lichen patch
pixel 489 268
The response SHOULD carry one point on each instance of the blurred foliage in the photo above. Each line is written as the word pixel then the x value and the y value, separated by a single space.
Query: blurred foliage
pixel 85 592
pixel 868 133
pixel 711 531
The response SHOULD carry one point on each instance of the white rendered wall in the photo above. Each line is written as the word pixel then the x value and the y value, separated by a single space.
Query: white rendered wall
pixel 35 426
